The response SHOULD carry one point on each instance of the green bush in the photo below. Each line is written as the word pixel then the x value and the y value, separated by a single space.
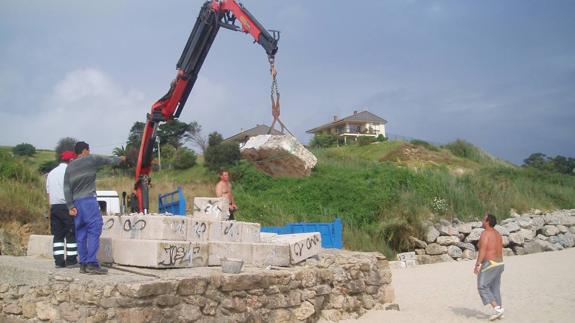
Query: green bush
pixel 323 140
pixel 381 138
pixel 423 143
pixel 24 149
pixel 12 169
pixel 224 155
pixel 185 158
pixel 463 149
pixel 362 141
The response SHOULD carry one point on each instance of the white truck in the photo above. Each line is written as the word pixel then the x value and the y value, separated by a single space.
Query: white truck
pixel 109 202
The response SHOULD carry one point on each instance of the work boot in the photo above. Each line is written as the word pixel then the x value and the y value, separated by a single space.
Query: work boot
pixel 96 270
pixel 83 269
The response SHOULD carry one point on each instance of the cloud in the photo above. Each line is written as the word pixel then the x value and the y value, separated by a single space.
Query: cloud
pixel 85 104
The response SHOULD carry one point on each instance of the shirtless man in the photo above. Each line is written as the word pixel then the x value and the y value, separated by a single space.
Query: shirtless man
pixel 489 266
pixel 224 189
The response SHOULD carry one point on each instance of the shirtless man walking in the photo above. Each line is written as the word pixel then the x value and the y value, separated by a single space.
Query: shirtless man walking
pixel 489 266
pixel 224 189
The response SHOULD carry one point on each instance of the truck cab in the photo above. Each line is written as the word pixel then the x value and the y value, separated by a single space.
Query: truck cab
pixel 109 202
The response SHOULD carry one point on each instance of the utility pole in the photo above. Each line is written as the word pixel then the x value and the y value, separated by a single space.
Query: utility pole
pixel 159 157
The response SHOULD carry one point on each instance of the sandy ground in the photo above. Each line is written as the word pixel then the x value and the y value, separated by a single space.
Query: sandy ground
pixel 535 288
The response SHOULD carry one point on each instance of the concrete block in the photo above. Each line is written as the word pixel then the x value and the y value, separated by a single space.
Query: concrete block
pixel 160 254
pixel 198 229
pixel 221 249
pixel 105 253
pixel 267 236
pixel 225 231
pixel 274 254
pixel 212 208
pixel 302 245
pixel 112 227
pixel 40 246
pixel 279 155
pixel 250 232
pixel 154 227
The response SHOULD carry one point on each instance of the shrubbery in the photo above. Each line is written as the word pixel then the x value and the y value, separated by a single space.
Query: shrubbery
pixel 24 149
pixel 323 140
pixel 185 158
pixel 221 154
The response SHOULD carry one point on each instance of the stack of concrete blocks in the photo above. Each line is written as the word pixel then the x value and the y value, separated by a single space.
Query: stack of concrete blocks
pixel 201 239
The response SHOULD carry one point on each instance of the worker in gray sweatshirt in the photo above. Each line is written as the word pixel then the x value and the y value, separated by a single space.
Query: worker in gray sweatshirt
pixel 80 194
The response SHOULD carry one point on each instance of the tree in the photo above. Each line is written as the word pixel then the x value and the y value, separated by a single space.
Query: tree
pixel 135 136
pixel 173 132
pixel 194 135
pixel 563 165
pixel 185 158
pixel 24 149
pixel 221 154
pixel 120 151
pixel 215 138
pixel 66 143
pixel 536 160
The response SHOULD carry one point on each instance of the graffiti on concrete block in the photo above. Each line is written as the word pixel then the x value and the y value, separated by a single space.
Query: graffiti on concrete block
pixel 231 231
pixel 174 255
pixel 178 227
pixel 108 225
pixel 138 225
pixel 198 230
pixel 306 247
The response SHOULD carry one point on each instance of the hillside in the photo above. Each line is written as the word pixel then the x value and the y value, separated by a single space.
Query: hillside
pixel 382 191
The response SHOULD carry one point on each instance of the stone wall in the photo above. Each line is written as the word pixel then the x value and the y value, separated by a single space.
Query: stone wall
pixel 336 285
pixel 531 232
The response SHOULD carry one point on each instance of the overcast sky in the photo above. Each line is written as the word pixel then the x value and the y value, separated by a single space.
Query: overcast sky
pixel 499 74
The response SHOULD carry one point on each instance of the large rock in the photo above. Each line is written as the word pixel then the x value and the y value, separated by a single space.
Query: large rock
pixel 525 222
pixel 435 249
pixel 447 230
pixel 474 235
pixel 447 240
pixel 537 222
pixel 550 230
pixel 527 234
pixel 431 234
pixel 466 246
pixel 454 252
pixel 505 240
pixel 502 230
pixel 534 246
pixel 562 228
pixel 516 238
pixel 464 228
pixel 279 155
pixel 511 227
pixel 418 243
pixel 468 254
pixel 567 240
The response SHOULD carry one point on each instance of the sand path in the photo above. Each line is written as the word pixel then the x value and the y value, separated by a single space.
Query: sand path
pixel 535 288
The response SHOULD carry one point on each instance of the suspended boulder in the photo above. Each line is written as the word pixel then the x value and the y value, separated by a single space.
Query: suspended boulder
pixel 279 155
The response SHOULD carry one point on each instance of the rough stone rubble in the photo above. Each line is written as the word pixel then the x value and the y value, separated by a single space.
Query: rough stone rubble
pixel 528 233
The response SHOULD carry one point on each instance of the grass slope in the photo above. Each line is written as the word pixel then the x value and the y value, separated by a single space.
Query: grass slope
pixel 382 191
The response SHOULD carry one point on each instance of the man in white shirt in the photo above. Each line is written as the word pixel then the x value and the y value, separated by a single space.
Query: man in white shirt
pixel 61 223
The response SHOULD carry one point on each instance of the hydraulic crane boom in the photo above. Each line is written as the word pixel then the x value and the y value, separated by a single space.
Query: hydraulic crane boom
pixel 213 15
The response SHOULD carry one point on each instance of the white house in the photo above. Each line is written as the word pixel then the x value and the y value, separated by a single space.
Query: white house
pixel 359 124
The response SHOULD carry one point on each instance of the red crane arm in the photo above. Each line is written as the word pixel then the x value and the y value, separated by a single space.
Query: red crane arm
pixel 213 15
